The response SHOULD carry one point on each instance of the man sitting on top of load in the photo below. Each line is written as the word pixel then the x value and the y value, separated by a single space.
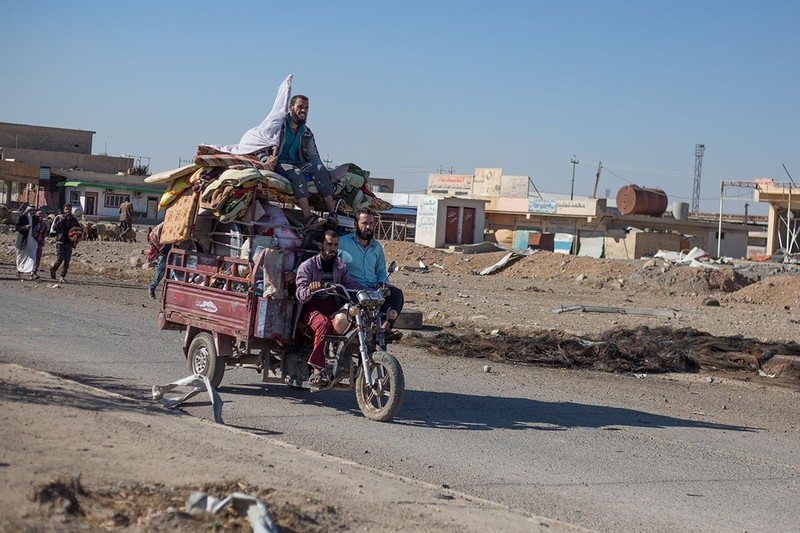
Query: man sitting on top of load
pixel 287 146
pixel 298 155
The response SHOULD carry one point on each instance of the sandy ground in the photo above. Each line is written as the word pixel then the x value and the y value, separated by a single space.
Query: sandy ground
pixel 43 453
pixel 67 450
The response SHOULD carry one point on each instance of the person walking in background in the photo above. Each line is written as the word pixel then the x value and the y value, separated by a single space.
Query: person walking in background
pixel 156 252
pixel 27 227
pixel 125 216
pixel 41 235
pixel 62 227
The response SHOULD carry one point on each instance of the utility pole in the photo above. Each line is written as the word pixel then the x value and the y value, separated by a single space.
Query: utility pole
pixel 572 190
pixel 699 149
pixel 327 161
pixel 597 180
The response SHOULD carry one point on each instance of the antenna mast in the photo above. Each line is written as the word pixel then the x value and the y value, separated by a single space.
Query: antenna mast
pixel 699 149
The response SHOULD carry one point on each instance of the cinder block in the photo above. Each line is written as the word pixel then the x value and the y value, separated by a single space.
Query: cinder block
pixel 409 319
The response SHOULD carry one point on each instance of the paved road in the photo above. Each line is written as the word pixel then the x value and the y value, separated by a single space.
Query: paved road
pixel 607 452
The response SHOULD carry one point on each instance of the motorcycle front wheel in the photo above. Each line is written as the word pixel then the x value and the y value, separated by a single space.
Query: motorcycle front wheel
pixel 381 401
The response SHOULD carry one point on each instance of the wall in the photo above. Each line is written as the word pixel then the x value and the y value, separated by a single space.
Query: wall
pixel 56 160
pixel 647 243
pixel 620 244
pixel 733 244
pixel 112 213
pixel 385 184
pixel 427 221
pixel 616 245
pixel 44 138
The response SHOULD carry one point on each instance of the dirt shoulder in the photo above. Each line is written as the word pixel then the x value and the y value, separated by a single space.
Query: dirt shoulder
pixel 137 464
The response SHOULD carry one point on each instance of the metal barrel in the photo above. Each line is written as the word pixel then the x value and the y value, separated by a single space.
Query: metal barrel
pixel 635 200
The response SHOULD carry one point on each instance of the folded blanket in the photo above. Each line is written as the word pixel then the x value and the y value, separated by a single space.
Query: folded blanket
pixel 177 188
pixel 228 160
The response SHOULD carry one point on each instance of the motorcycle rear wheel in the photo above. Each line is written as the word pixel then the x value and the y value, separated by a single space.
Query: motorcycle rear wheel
pixel 382 402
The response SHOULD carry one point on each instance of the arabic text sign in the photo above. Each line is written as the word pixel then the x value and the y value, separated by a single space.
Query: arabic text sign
pixel 449 184
pixel 537 205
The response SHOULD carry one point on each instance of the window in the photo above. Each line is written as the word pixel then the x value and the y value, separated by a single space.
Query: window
pixel 75 197
pixel 113 200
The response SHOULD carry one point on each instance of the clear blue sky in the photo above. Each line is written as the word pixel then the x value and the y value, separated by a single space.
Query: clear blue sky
pixel 404 88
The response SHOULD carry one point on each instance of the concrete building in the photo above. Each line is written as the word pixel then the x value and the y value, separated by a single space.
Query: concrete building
pixel 47 166
pixel 583 226
pixel 449 221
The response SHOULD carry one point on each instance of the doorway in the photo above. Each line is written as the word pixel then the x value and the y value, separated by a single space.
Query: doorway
pixel 91 203
pixel 459 225
pixel 152 208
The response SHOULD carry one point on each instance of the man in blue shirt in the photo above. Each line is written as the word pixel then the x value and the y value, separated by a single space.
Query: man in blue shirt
pixel 297 155
pixel 366 263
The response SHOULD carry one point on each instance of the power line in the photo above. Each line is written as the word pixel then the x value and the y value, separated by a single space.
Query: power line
pixel 617 175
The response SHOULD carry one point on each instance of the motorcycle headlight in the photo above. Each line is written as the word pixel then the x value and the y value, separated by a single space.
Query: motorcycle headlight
pixel 370 298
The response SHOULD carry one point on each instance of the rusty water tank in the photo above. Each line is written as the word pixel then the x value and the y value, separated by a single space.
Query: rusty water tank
pixel 635 200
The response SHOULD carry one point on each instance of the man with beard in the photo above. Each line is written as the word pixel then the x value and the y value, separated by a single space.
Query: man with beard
pixel 364 258
pixel 61 227
pixel 322 312
pixel 297 155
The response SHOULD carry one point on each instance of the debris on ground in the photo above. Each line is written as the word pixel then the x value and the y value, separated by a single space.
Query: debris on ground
pixel 663 313
pixel 156 507
pixel 200 503
pixel 197 383
pixel 640 350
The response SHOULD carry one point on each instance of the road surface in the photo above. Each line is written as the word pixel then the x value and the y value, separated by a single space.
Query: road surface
pixel 602 451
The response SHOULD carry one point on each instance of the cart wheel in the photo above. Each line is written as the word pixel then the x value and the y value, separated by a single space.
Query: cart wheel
pixel 203 358
pixel 382 401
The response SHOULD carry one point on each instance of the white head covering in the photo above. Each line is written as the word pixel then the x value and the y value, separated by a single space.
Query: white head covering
pixel 29 209
pixel 268 133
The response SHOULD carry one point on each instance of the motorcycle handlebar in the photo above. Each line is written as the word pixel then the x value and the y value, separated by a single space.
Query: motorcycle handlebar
pixel 336 289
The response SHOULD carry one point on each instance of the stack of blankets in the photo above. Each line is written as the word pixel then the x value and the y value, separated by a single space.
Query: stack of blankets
pixel 226 184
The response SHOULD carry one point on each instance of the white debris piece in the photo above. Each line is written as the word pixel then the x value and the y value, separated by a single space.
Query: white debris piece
pixel 198 383
pixel 257 513
pixel 696 257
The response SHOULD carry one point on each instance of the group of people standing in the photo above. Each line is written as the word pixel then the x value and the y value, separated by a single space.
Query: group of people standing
pixel 32 230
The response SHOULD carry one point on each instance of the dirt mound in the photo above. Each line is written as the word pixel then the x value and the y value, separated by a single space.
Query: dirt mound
pixel 410 253
pixel 553 267
pixel 776 290
pixel 686 279
pixel 541 265
pixel 550 266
